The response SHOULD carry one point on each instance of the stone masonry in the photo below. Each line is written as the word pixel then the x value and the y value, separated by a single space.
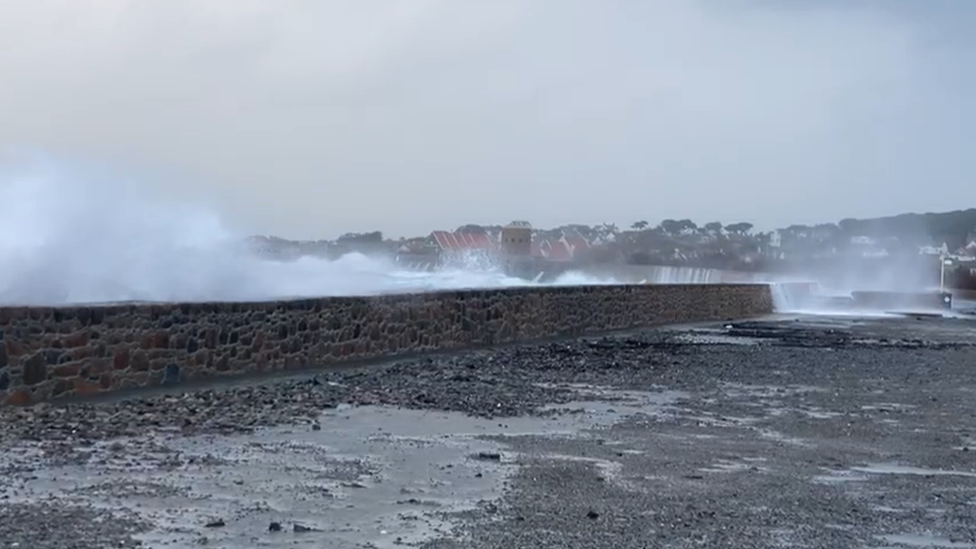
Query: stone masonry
pixel 49 353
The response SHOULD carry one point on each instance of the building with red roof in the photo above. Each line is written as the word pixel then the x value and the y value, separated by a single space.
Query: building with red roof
pixel 471 238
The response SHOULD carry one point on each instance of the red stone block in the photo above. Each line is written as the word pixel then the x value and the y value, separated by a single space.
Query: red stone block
pixel 154 354
pixel 120 361
pixel 61 387
pixel 161 340
pixel 67 370
pixel 139 361
pixel 83 387
pixel 15 348
pixel 80 353
pixel 141 379
pixel 77 339
pixel 21 397
pixel 98 366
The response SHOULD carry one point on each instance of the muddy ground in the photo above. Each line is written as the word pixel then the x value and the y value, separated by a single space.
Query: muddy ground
pixel 788 432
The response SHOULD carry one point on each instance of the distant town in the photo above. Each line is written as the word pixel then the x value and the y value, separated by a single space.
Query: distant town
pixel 932 239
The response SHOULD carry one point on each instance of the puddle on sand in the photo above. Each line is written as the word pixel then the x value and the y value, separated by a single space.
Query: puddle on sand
pixel 776 436
pixel 925 540
pixel 968 444
pixel 713 420
pixel 815 413
pixel 369 475
pixel 738 390
pixel 605 406
pixel 810 412
pixel 717 337
pixel 888 407
pixel 895 469
pixel 734 466
pixel 839 477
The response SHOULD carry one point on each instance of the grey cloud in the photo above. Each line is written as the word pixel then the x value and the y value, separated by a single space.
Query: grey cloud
pixel 310 117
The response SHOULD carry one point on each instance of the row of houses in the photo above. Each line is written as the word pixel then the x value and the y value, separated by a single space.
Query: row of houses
pixel 862 246
pixel 564 247
pixel 967 252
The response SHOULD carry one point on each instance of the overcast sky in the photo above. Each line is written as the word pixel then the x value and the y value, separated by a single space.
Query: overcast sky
pixel 308 118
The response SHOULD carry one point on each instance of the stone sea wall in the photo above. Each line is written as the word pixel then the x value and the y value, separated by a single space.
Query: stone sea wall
pixel 50 353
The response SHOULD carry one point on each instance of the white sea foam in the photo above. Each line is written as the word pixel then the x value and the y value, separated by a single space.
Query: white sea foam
pixel 65 238
pixel 68 236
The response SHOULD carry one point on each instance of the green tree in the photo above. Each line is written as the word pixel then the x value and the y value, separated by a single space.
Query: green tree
pixel 713 228
pixel 741 228
pixel 687 226
pixel 670 227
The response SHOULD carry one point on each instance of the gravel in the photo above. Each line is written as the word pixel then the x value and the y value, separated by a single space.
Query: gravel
pixel 504 383
pixel 30 525
pixel 761 453
pixel 826 435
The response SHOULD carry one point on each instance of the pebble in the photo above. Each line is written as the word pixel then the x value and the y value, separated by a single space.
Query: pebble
pixel 508 382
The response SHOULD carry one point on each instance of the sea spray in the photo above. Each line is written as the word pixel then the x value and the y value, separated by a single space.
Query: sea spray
pixel 69 235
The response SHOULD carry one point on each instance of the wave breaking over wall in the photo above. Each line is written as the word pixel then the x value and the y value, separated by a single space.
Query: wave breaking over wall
pixel 74 236
pixel 71 236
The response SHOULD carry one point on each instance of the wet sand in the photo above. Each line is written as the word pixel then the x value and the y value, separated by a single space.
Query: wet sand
pixel 790 432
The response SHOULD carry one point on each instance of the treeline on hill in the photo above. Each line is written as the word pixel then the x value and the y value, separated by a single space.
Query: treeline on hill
pixel 684 241
pixel 953 228
pixel 908 230
pixel 736 246
pixel 904 232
